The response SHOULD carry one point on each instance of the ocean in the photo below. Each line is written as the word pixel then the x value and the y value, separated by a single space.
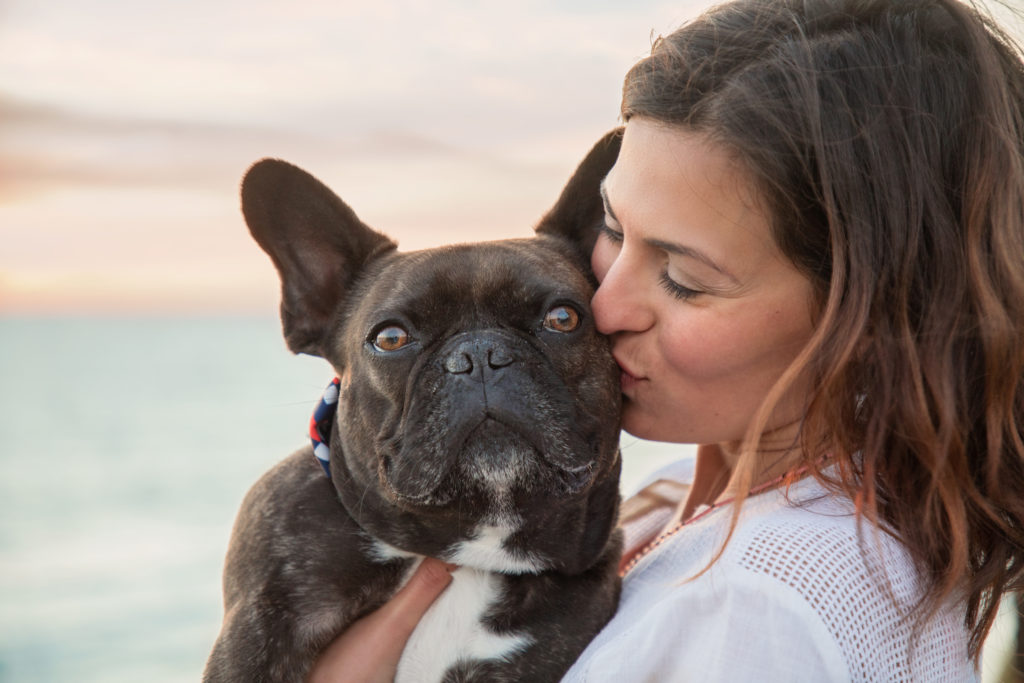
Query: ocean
pixel 126 445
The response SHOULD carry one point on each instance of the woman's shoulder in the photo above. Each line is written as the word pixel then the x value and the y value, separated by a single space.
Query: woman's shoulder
pixel 812 540
pixel 803 572
pixel 808 546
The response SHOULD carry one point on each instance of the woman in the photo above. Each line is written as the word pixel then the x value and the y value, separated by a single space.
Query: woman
pixel 813 265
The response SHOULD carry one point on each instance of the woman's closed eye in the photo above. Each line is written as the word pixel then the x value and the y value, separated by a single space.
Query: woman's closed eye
pixel 609 232
pixel 677 290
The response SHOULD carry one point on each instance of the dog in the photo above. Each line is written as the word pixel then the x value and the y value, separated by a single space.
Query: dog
pixel 474 419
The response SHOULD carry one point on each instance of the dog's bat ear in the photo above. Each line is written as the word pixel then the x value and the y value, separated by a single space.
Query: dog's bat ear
pixel 317 244
pixel 579 209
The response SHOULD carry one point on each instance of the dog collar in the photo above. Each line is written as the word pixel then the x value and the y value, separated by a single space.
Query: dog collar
pixel 322 422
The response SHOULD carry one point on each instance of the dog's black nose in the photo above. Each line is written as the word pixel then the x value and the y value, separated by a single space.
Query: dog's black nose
pixel 478 358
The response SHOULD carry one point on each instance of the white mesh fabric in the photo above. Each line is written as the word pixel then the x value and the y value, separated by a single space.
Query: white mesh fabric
pixel 797 595
pixel 862 594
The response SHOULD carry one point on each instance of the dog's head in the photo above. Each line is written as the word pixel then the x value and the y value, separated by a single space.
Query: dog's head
pixel 478 412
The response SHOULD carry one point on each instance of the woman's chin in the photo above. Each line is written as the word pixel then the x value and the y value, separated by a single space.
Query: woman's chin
pixel 642 426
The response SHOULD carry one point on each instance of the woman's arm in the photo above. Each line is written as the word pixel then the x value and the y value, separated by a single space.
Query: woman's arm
pixel 369 650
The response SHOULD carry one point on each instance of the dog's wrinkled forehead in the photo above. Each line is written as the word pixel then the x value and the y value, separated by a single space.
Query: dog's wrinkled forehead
pixel 498 280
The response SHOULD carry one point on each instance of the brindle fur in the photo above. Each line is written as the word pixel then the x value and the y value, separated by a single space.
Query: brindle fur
pixel 302 563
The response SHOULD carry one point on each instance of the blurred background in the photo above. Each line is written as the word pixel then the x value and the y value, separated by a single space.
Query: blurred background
pixel 143 381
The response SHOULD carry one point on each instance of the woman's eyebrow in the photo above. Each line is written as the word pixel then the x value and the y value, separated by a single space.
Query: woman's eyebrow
pixel 672 247
pixel 690 252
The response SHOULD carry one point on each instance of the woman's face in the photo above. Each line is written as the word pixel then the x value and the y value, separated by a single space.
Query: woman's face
pixel 704 311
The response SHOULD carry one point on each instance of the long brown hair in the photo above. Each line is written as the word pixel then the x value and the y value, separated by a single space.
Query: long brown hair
pixel 887 139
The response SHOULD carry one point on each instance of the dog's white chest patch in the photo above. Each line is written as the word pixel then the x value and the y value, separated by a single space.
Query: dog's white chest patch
pixel 451 631
pixel 486 549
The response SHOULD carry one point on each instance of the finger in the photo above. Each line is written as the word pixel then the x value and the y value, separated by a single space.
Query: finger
pixel 409 604
pixel 369 650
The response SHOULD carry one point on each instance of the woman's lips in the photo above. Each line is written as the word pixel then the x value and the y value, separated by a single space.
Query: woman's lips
pixel 627 377
pixel 627 382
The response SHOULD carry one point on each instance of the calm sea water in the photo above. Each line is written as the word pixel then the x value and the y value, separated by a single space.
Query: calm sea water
pixel 126 446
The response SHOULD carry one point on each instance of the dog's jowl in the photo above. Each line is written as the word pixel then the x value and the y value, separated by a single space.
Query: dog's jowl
pixel 474 419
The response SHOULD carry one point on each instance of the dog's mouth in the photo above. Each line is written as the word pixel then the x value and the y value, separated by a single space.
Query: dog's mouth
pixel 504 456
pixel 489 459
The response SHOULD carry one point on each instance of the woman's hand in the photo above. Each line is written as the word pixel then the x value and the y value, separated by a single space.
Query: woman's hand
pixel 369 650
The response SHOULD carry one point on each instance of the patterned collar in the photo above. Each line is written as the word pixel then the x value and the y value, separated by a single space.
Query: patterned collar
pixel 322 422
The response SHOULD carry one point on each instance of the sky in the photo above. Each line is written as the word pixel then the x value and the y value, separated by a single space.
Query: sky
pixel 126 126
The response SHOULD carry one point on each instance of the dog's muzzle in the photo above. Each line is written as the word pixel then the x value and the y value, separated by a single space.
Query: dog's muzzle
pixel 488 409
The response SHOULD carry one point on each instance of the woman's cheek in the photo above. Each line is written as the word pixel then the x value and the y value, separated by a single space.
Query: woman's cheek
pixel 692 346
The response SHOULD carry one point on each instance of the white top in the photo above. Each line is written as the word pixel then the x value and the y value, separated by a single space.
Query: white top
pixel 798 595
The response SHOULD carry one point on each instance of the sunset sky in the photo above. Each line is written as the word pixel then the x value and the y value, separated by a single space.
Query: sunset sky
pixel 125 128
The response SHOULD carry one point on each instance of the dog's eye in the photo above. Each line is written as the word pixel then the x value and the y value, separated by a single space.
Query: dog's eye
pixel 391 338
pixel 562 319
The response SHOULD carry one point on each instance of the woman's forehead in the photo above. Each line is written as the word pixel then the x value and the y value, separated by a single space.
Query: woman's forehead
pixel 678 186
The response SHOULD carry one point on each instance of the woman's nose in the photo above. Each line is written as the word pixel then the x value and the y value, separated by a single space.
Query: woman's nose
pixel 620 304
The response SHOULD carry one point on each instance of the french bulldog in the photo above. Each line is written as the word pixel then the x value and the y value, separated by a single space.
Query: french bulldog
pixel 476 421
